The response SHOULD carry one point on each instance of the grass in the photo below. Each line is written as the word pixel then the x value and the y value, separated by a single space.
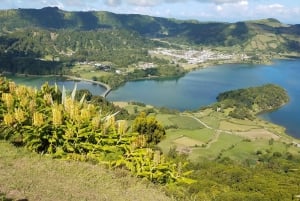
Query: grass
pixel 165 119
pixel 88 71
pixel 226 125
pixel 225 137
pixel 211 121
pixel 177 137
pixel 223 143
pixel 185 122
pixel 203 135
pixel 248 149
pixel 26 175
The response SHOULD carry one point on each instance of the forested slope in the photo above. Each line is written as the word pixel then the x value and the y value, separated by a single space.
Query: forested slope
pixel 50 40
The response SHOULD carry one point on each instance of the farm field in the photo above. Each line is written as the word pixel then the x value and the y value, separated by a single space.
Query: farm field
pixel 208 135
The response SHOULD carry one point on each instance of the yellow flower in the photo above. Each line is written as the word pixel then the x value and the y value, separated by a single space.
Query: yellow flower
pixel 21 91
pixel 38 119
pixel 48 99
pixel 32 105
pixel 8 100
pixel 20 115
pixel 141 141
pixel 96 122
pixel 8 119
pixel 92 108
pixel 122 127
pixel 56 115
pixel 85 114
pixel 24 102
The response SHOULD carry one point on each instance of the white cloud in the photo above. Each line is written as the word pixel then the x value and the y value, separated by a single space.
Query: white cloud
pixel 272 9
pixel 224 1
pixel 244 3
pixel 276 6
pixel 219 8
pixel 113 2
pixel 149 3
pixel 145 3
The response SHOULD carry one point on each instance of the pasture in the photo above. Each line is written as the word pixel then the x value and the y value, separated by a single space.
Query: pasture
pixel 210 135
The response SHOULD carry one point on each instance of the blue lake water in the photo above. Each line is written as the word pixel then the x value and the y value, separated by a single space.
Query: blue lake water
pixel 68 84
pixel 201 87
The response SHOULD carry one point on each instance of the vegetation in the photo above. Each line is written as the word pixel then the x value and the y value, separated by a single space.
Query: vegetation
pixel 229 158
pixel 247 102
pixel 31 43
pixel 80 131
pixel 224 150
pixel 30 176
pixel 276 178
pixel 150 128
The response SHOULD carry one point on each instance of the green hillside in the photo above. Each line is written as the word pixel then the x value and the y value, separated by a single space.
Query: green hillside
pixel 201 155
pixel 51 40
pixel 204 33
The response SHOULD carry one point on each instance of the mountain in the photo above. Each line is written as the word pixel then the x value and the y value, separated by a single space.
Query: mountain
pixel 203 33
pixel 124 39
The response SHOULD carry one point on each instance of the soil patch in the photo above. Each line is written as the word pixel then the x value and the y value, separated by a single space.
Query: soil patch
pixel 258 134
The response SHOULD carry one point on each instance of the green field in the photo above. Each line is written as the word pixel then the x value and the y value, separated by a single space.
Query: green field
pixel 232 138
pixel 176 137
pixel 212 151
pixel 184 122
pixel 88 71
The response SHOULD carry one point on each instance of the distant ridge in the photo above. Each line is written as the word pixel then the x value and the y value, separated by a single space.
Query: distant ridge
pixel 124 39
pixel 196 31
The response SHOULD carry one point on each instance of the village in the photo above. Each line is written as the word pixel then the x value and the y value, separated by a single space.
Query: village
pixel 185 57
pixel 197 56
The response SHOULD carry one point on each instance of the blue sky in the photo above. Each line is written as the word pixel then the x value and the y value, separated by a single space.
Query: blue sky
pixel 287 11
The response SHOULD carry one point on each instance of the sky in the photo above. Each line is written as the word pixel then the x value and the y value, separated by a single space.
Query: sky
pixel 286 11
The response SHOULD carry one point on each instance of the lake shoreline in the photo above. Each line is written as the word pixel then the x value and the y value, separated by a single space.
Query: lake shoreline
pixel 67 77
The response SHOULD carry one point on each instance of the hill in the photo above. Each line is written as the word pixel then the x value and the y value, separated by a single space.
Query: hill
pixel 29 176
pixel 201 33
pixel 53 41
pixel 253 100
pixel 227 157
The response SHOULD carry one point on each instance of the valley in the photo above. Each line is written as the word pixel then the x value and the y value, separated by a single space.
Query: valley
pixel 163 126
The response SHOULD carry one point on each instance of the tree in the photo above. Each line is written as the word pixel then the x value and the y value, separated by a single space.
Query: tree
pixel 149 127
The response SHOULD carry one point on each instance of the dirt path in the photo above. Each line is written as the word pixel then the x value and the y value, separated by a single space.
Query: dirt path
pixel 214 139
pixel 201 122
pixel 217 131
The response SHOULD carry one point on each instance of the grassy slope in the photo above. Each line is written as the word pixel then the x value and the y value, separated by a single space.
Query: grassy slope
pixel 34 177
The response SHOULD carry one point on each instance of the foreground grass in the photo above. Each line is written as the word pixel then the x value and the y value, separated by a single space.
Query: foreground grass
pixel 26 175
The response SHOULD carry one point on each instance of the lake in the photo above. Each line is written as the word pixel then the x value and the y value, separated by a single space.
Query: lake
pixel 201 87
pixel 34 81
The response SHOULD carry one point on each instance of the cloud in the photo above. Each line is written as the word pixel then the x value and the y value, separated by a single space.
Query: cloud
pixel 273 9
pixel 113 2
pixel 221 1
pixel 149 3
pixel 82 4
